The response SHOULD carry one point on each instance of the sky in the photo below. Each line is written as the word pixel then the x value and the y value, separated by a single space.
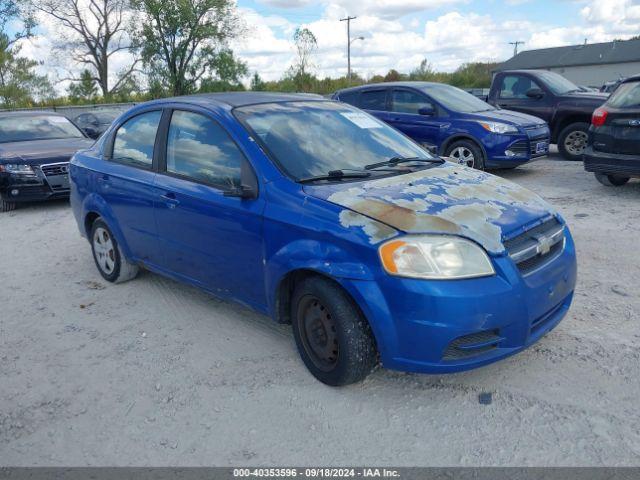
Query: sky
pixel 397 33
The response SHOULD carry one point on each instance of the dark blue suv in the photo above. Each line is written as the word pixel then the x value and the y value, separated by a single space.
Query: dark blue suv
pixel 454 123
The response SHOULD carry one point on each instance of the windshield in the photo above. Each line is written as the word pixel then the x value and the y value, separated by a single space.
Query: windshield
pixel 456 100
pixel 626 95
pixel 309 139
pixel 17 128
pixel 557 83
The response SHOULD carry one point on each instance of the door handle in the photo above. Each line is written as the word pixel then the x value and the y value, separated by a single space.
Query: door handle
pixel 170 199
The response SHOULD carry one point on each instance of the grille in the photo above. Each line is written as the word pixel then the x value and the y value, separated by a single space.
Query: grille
pixel 528 250
pixel 544 319
pixel 472 345
pixel 520 147
pixel 54 169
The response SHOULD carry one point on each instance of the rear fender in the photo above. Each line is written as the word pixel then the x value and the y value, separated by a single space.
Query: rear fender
pixel 94 203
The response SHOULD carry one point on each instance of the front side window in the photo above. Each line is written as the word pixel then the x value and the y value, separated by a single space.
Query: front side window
pixel 199 149
pixel 405 101
pixel 313 138
pixel 516 86
pixel 350 97
pixel 626 95
pixel 135 139
pixel 24 128
pixel 373 100
pixel 455 99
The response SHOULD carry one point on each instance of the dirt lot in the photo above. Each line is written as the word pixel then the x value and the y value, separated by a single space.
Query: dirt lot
pixel 155 373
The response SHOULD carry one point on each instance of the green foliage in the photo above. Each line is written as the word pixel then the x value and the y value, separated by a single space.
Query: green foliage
pixel 183 42
pixel 20 85
pixel 84 89
pixel 257 85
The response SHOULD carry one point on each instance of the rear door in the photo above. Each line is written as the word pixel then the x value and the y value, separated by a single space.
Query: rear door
pixel 128 187
pixel 207 237
pixel 512 95
pixel 375 101
pixel 405 107
pixel 623 119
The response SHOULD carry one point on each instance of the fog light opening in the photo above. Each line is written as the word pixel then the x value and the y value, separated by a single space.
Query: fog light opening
pixel 15 192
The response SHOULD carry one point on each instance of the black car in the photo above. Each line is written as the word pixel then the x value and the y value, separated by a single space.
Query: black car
pixel 549 96
pixel 94 124
pixel 35 148
pixel 613 153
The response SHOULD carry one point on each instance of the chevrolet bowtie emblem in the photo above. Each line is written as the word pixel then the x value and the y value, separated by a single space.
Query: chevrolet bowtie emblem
pixel 544 244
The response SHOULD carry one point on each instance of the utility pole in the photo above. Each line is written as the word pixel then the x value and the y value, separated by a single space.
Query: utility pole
pixel 348 20
pixel 515 46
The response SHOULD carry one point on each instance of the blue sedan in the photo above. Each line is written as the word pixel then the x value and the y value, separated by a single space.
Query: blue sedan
pixel 320 215
pixel 454 123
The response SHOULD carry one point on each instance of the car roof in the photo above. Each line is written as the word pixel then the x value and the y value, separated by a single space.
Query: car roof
pixel 633 78
pixel 238 99
pixel 408 84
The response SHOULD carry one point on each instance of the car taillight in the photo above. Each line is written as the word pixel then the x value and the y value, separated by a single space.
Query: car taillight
pixel 599 117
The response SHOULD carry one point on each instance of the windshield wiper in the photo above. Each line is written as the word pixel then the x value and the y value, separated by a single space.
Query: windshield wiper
pixel 397 160
pixel 335 175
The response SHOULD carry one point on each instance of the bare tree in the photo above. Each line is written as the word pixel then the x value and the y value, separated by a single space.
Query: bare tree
pixel 95 30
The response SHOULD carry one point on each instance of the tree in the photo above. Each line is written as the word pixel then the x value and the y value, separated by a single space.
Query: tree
pixel 392 76
pixel 186 40
pixel 423 72
pixel 306 44
pixel 85 88
pixel 20 85
pixel 94 31
pixel 257 85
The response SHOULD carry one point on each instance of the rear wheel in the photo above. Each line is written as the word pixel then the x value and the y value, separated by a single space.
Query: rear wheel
pixel 111 262
pixel 7 206
pixel 611 180
pixel 572 140
pixel 332 336
pixel 466 152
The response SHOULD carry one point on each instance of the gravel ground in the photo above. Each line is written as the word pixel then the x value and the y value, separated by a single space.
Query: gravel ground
pixel 152 372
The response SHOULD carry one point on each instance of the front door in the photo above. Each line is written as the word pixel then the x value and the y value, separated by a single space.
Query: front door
pixel 207 237
pixel 513 96
pixel 406 109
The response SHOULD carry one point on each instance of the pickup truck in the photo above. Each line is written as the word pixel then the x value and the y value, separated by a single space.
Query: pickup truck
pixel 547 95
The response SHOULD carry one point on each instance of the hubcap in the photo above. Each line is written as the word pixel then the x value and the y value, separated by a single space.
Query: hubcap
pixel 318 333
pixel 464 156
pixel 576 142
pixel 104 251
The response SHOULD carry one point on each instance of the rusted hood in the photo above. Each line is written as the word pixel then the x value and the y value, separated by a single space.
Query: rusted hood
pixel 446 198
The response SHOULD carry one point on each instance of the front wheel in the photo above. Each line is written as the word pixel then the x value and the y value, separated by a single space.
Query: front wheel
pixel 111 262
pixel 611 180
pixel 572 140
pixel 466 152
pixel 333 337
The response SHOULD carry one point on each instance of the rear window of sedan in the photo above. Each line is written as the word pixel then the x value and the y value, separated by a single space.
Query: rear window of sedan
pixel 24 128
pixel 627 95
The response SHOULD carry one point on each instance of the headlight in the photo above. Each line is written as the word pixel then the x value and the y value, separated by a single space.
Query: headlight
pixel 435 257
pixel 17 169
pixel 496 127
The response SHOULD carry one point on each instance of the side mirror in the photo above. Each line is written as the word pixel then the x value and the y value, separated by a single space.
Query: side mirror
pixel 91 132
pixel 427 111
pixel 242 191
pixel 535 93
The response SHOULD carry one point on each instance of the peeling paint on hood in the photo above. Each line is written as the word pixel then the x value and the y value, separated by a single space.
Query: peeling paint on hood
pixel 447 198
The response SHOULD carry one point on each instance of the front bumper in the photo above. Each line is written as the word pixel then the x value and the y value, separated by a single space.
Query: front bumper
pixel 418 322
pixel 22 188
pixel 504 151
pixel 611 163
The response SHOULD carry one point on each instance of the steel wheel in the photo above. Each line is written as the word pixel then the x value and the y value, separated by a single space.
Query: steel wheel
pixel 104 250
pixel 318 333
pixel 463 156
pixel 575 142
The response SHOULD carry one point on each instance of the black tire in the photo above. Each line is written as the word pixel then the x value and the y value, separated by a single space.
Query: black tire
pixel 108 256
pixel 572 141
pixel 7 206
pixel 611 180
pixel 460 146
pixel 341 350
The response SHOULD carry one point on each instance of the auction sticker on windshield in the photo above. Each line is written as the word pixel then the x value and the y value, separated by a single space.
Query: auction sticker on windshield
pixel 361 119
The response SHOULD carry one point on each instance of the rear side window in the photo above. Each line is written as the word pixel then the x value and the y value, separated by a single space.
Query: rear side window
pixel 626 95
pixel 134 140
pixel 516 86
pixel 199 149
pixel 373 100
pixel 405 101
pixel 349 97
